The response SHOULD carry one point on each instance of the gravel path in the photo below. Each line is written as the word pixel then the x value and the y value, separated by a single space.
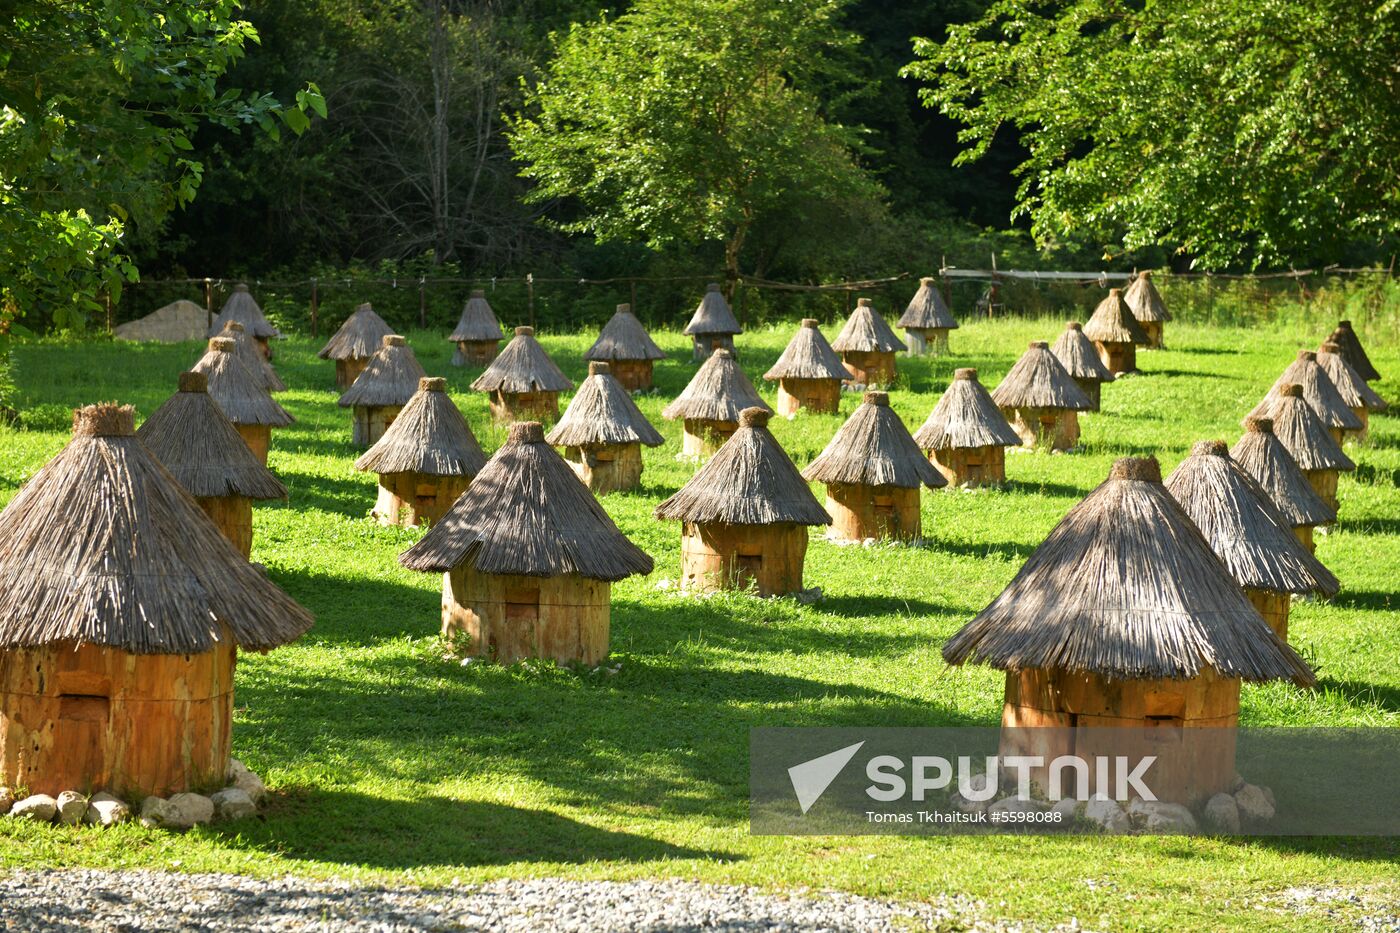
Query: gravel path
pixel 132 901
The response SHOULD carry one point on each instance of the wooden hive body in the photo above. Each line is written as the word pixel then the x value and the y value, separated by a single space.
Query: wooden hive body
pixel 717 556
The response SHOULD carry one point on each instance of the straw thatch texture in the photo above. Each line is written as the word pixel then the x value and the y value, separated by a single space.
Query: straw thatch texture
pixel 526 514
pixel 1077 355
pixel 247 351
pixel 1113 322
pixel 602 412
pixel 1039 381
pixel 523 366
pixel 478 322
pixel 749 481
pixel 1304 435
pixel 1318 390
pixel 103 547
pixel 873 448
pixel 927 310
pixel 428 436
pixel 807 355
pixel 713 316
pixel 1350 386
pixel 1345 337
pixel 200 447
pixel 359 338
pixel 866 332
pixel 235 388
pixel 624 338
pixel 241 307
pixel 1126 587
pixel 718 392
pixel 1247 532
pixel 966 416
pixel 1145 301
pixel 390 379
pixel 1260 454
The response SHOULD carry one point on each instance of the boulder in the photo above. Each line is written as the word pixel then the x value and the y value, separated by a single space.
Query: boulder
pixel 186 811
pixel 40 808
pixel 977 784
pixel 7 800
pixel 1106 814
pixel 1068 808
pixel 240 777
pixel 1221 814
pixel 1017 805
pixel 72 807
pixel 232 803
pixel 106 810
pixel 1158 816
pixel 155 811
pixel 177 321
pixel 1254 805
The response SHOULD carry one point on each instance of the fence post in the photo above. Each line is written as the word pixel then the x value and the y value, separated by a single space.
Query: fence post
pixel 315 309
pixel 209 303
pixel 632 285
pixel 945 285
pixel 995 291
pixel 530 295
pixel 422 303
pixel 107 303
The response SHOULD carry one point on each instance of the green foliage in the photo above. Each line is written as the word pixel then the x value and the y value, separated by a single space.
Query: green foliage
pixel 684 121
pixel 1239 132
pixel 99 101
pixel 390 764
pixel 46 416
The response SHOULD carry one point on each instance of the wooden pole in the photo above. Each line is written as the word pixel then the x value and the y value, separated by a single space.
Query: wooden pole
pixel 315 310
pixel 530 295
pixel 632 285
pixel 422 303
pixel 107 303
pixel 945 285
pixel 209 302
pixel 995 292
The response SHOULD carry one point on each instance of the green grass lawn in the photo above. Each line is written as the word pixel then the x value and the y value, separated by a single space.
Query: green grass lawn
pixel 393 764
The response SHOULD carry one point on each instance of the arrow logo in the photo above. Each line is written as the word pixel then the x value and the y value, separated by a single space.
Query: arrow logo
pixel 811 778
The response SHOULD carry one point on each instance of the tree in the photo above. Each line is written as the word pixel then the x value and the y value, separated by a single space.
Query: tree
pixel 1236 131
pixel 686 121
pixel 98 103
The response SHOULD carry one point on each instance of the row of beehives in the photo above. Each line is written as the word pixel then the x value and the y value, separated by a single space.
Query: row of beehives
pixel 528 556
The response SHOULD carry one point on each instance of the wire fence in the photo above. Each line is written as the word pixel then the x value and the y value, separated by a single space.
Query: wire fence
pixel 317 305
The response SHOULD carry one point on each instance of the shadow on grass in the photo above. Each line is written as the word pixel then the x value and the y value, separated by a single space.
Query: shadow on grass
pixel 1365 599
pixel 1372 526
pixel 1357 693
pixel 1009 550
pixel 357 829
pixel 1043 489
pixel 1186 373
pixel 343 496
pixel 1203 351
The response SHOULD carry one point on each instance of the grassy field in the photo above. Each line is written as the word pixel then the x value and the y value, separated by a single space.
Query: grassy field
pixel 392 764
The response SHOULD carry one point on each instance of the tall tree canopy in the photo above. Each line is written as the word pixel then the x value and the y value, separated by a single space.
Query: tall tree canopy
pixel 1240 132
pixel 690 120
pixel 99 100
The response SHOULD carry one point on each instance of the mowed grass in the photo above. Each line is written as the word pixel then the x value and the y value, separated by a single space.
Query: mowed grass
pixel 393 764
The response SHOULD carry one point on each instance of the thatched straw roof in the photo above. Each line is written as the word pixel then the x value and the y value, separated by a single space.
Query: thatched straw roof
pixel 866 332
pixel 527 514
pixel 1145 301
pixel 1126 587
pixel 718 391
pixel 966 416
pixel 1113 322
pixel 1303 434
pixel 429 436
pixel 1039 381
pixel 1247 532
pixel 247 351
pixel 1077 355
pixel 197 443
pixel 749 481
pixel 1345 337
pixel 523 366
pixel 1348 382
pixel 103 547
pixel 713 316
pixel 602 412
pixel 927 310
pixel 390 378
pixel 1260 454
pixel 359 338
pixel 240 307
pixel 873 448
pixel 236 389
pixel 808 356
pixel 624 338
pixel 478 322
pixel 1318 390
